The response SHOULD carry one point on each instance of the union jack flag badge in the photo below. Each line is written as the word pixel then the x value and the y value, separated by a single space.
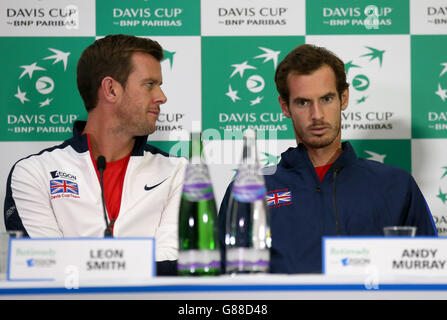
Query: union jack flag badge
pixel 59 186
pixel 278 198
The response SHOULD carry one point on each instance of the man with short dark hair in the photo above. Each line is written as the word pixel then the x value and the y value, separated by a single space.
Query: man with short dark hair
pixel 56 193
pixel 326 189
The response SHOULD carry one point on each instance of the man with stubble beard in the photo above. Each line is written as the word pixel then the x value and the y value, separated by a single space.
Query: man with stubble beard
pixel 57 193
pixel 321 188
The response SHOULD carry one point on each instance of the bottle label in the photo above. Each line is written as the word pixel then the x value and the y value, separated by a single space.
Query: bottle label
pixel 249 193
pixel 198 260
pixel 197 191
pixel 247 260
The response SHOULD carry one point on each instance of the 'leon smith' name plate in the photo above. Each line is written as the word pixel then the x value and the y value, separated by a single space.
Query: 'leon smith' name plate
pixel 83 258
pixel 388 255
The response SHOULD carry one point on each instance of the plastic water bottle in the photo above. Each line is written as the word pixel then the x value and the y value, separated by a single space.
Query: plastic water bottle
pixel 198 234
pixel 248 237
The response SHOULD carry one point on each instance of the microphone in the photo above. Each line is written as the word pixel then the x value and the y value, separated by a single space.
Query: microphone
pixel 336 168
pixel 101 164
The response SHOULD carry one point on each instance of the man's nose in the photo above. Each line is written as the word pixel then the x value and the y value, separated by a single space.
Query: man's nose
pixel 161 97
pixel 317 111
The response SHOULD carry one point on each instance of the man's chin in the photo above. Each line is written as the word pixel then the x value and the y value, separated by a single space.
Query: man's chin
pixel 150 131
pixel 317 143
pixel 145 131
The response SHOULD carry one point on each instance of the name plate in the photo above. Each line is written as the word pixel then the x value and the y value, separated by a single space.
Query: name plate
pixel 422 256
pixel 81 259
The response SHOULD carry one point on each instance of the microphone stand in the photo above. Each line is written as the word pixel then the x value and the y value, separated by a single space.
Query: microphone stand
pixel 101 164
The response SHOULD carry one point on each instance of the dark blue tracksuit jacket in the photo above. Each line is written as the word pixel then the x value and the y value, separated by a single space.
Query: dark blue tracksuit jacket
pixel 356 197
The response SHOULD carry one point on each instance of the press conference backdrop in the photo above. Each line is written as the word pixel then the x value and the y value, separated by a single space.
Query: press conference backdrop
pixel 220 58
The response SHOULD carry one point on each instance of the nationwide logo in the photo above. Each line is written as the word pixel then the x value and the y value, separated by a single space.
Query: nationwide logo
pixel 349 257
pixel 35 258
pixel 251 93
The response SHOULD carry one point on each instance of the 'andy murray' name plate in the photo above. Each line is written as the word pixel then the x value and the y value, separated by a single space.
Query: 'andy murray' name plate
pixel 85 259
pixel 387 255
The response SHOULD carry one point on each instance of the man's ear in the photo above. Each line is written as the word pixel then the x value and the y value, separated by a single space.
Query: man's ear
pixel 284 107
pixel 111 89
pixel 344 99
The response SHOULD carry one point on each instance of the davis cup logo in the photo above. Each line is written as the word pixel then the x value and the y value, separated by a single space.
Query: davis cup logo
pixel 375 156
pixel 244 95
pixel 442 90
pixel 249 90
pixel 35 84
pixel 361 82
pixel 440 207
pixel 438 118
pixel 442 195
pixel 169 56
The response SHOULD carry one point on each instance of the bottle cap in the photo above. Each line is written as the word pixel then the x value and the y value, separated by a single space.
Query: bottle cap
pixel 250 133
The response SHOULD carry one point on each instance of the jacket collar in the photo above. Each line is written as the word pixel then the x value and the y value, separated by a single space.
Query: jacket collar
pixel 298 157
pixel 79 140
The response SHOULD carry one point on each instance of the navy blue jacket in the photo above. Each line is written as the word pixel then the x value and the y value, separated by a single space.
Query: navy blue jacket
pixel 365 195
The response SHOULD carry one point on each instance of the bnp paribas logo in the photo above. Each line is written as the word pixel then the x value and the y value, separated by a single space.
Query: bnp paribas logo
pixel 361 81
pixel 36 81
pixel 437 15
pixel 250 91
pixel 369 17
